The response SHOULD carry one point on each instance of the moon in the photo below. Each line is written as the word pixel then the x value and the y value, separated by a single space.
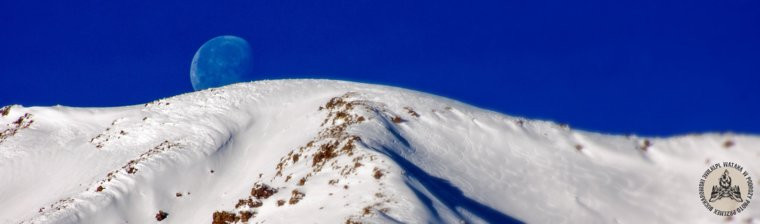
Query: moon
pixel 221 61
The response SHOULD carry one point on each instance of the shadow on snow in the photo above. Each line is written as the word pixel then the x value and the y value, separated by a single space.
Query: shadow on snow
pixel 448 194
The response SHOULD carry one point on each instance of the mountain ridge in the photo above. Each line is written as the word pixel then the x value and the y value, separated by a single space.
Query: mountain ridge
pixel 365 153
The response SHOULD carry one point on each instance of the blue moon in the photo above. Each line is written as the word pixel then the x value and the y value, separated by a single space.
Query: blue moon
pixel 221 61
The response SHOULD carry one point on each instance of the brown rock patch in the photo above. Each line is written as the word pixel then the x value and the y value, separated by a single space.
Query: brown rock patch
pixel 161 215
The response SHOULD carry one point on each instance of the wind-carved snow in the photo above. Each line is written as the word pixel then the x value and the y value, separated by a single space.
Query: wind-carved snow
pixel 320 151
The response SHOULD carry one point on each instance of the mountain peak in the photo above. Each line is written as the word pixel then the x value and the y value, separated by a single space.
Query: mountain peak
pixel 295 151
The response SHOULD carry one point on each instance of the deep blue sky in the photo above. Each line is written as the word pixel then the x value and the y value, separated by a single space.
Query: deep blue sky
pixel 651 67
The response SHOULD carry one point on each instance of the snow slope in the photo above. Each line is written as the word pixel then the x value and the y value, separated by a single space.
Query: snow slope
pixel 321 151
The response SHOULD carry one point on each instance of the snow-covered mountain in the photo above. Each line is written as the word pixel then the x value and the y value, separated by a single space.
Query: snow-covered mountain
pixel 320 151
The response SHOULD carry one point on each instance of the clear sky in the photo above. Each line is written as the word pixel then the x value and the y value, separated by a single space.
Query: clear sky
pixel 650 67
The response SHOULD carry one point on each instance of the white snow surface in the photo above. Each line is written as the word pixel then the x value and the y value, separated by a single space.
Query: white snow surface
pixel 366 153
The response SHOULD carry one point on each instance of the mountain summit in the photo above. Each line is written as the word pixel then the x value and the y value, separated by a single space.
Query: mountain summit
pixel 322 151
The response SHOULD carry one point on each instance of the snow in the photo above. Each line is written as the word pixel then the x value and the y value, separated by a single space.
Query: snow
pixel 367 153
